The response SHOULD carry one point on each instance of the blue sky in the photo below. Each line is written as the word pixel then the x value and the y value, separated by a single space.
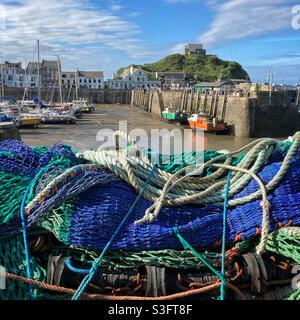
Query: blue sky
pixel 107 34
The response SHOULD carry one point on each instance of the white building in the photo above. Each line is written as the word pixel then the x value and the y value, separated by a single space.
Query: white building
pixel 131 78
pixel 12 74
pixel 85 79
pixel 32 74
pixel 68 79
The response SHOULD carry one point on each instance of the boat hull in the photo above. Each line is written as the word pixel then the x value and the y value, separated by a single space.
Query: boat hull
pixel 58 121
pixel 176 117
pixel 86 110
pixel 25 123
pixel 219 127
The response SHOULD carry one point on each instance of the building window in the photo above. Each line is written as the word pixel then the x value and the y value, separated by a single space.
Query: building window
pixel 138 79
pixel 99 80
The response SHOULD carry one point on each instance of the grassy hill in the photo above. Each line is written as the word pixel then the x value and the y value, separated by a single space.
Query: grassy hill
pixel 197 68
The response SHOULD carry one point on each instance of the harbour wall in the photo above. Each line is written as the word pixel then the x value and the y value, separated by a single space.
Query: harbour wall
pixel 8 131
pixel 255 116
pixel 104 96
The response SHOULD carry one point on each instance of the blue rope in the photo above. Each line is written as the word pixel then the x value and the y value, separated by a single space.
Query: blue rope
pixel 222 295
pixel 87 279
pixel 74 269
pixel 24 231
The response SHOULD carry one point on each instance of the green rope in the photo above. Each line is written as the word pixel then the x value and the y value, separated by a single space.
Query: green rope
pixel 224 233
pixel 285 242
pixel 187 246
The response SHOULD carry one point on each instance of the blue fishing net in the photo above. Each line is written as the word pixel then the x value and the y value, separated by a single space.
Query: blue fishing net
pixel 97 202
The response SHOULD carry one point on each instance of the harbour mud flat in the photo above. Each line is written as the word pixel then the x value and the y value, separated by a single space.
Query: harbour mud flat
pixel 82 135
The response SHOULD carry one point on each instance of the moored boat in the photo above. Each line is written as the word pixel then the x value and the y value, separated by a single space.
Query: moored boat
pixel 204 122
pixel 57 117
pixel 25 120
pixel 170 114
pixel 84 105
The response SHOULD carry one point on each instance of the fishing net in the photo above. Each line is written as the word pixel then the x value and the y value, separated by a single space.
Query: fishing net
pixel 81 204
pixel 285 242
pixel 85 217
pixel 13 260
pixel 91 218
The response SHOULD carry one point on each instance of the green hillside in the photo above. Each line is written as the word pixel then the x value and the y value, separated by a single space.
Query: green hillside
pixel 197 68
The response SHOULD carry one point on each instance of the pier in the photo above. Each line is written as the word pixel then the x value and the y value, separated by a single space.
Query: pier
pixel 256 115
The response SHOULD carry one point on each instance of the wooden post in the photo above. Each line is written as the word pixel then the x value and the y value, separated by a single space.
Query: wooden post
pixel 186 100
pixel 205 101
pixel 191 101
pixel 181 100
pixel 224 106
pixel 216 103
pixel 211 104
pixel 197 101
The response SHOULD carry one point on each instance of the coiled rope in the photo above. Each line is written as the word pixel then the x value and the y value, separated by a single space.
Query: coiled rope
pixel 167 189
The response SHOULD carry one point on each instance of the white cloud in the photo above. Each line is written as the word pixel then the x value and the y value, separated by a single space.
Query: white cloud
pixel 179 48
pixel 78 29
pixel 116 7
pixel 240 19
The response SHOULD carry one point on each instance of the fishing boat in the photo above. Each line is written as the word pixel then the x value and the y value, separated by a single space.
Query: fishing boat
pixel 205 122
pixel 25 120
pixel 84 105
pixel 170 114
pixel 56 117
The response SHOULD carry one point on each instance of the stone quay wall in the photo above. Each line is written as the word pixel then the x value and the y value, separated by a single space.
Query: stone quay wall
pixel 101 96
pixel 256 116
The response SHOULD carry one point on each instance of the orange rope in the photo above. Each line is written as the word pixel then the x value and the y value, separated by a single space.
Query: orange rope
pixel 108 297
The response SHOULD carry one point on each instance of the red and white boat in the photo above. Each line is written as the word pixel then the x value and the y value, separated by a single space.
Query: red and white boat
pixel 204 122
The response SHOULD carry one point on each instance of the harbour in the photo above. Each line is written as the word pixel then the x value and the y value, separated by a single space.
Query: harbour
pixel 149 154
pixel 84 133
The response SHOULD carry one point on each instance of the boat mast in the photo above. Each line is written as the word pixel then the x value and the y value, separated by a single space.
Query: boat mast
pixel 59 79
pixel 39 71
pixel 26 81
pixel 2 83
pixel 76 85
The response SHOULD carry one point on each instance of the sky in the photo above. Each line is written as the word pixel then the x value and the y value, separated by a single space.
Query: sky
pixel 104 35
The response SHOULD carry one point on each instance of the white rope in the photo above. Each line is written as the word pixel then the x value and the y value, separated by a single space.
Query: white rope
pixel 174 190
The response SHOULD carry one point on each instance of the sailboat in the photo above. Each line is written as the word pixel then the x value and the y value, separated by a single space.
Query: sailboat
pixel 79 103
pixel 55 113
